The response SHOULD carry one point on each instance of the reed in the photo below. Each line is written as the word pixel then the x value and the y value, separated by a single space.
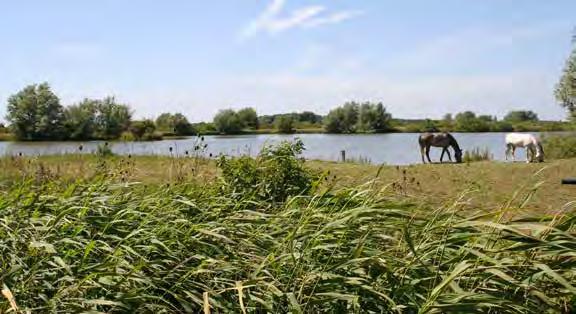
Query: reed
pixel 103 244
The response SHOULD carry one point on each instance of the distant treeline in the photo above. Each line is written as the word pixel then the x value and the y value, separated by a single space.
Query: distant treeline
pixel 35 113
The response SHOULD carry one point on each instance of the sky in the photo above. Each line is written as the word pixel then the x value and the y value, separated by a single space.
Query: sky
pixel 420 58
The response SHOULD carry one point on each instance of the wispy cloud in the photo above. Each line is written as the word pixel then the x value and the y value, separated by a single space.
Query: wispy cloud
pixel 272 21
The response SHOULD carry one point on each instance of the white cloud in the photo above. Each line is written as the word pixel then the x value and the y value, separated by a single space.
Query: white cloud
pixel 272 22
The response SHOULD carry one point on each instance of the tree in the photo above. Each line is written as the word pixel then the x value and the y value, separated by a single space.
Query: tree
pixel 285 124
pixel 111 118
pixel 382 119
pixel 35 113
pixel 351 112
pixel 566 88
pixel 81 120
pixel 181 125
pixel 309 116
pixel 334 121
pixel 142 129
pixel 249 118
pixel 165 122
pixel 228 122
pixel 342 119
pixel 521 116
pixel 176 123
pixel 468 122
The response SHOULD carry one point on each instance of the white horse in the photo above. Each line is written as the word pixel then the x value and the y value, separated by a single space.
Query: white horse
pixel 527 141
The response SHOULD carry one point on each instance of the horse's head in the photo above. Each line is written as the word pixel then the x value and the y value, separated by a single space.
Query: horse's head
pixel 458 155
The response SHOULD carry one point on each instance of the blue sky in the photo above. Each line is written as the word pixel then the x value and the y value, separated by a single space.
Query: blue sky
pixel 420 58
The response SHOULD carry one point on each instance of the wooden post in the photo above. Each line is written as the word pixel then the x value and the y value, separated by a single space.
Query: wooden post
pixel 343 155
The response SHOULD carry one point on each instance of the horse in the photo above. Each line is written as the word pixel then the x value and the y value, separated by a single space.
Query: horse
pixel 439 140
pixel 527 141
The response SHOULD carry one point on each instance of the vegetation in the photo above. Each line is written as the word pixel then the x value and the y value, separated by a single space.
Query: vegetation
pixel 566 88
pixel 108 244
pixel 229 121
pixel 521 116
pixel 35 113
pixel 285 124
pixel 353 117
pixel 176 124
pixel 477 154
pixel 144 130
pixel 559 147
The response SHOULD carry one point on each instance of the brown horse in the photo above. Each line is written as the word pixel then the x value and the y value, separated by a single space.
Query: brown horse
pixel 439 140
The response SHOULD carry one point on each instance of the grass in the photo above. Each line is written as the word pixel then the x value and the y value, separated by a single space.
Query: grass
pixel 171 235
pixel 477 154
pixel 486 185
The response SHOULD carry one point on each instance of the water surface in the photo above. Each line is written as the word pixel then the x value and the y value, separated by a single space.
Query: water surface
pixel 393 148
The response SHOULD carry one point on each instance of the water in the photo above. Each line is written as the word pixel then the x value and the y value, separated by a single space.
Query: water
pixel 393 149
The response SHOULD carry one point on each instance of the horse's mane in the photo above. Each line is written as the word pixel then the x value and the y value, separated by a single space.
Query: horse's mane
pixel 452 140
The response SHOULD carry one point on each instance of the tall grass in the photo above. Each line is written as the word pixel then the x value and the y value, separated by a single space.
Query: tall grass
pixel 109 246
pixel 559 146
pixel 477 154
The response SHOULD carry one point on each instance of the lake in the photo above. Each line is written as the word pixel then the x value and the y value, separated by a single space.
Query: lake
pixel 393 148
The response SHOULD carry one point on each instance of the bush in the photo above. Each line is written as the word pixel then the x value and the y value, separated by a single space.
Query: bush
pixel 477 154
pixel 559 147
pixel 275 174
pixel 284 124
pixel 104 150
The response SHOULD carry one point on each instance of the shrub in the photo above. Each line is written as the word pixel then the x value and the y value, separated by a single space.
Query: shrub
pixel 477 154
pixel 558 146
pixel 275 174
pixel 284 124
pixel 104 150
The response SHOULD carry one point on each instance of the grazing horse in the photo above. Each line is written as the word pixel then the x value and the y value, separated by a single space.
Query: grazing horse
pixel 527 141
pixel 439 140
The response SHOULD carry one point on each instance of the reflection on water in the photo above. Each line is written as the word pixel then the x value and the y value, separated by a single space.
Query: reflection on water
pixel 394 148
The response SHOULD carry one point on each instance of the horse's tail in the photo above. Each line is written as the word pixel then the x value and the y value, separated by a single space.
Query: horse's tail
pixel 421 141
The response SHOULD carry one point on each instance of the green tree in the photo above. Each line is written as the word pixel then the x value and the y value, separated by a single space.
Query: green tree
pixel 81 120
pixel 521 116
pixel 165 122
pixel 382 119
pixel 468 122
pixel 35 113
pixel 342 119
pixel 142 129
pixel 228 122
pixel 111 118
pixel 285 124
pixel 249 118
pixel 176 123
pixel 566 88
pixel 334 121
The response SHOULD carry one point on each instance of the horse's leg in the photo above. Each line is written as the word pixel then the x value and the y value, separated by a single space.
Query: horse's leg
pixel 529 154
pixel 428 154
pixel 448 152
pixel 422 154
pixel 442 155
pixel 513 153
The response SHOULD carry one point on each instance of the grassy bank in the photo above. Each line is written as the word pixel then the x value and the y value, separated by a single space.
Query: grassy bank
pixel 218 241
pixel 487 185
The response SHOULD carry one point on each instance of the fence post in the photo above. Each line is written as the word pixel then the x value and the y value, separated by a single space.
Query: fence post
pixel 343 155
